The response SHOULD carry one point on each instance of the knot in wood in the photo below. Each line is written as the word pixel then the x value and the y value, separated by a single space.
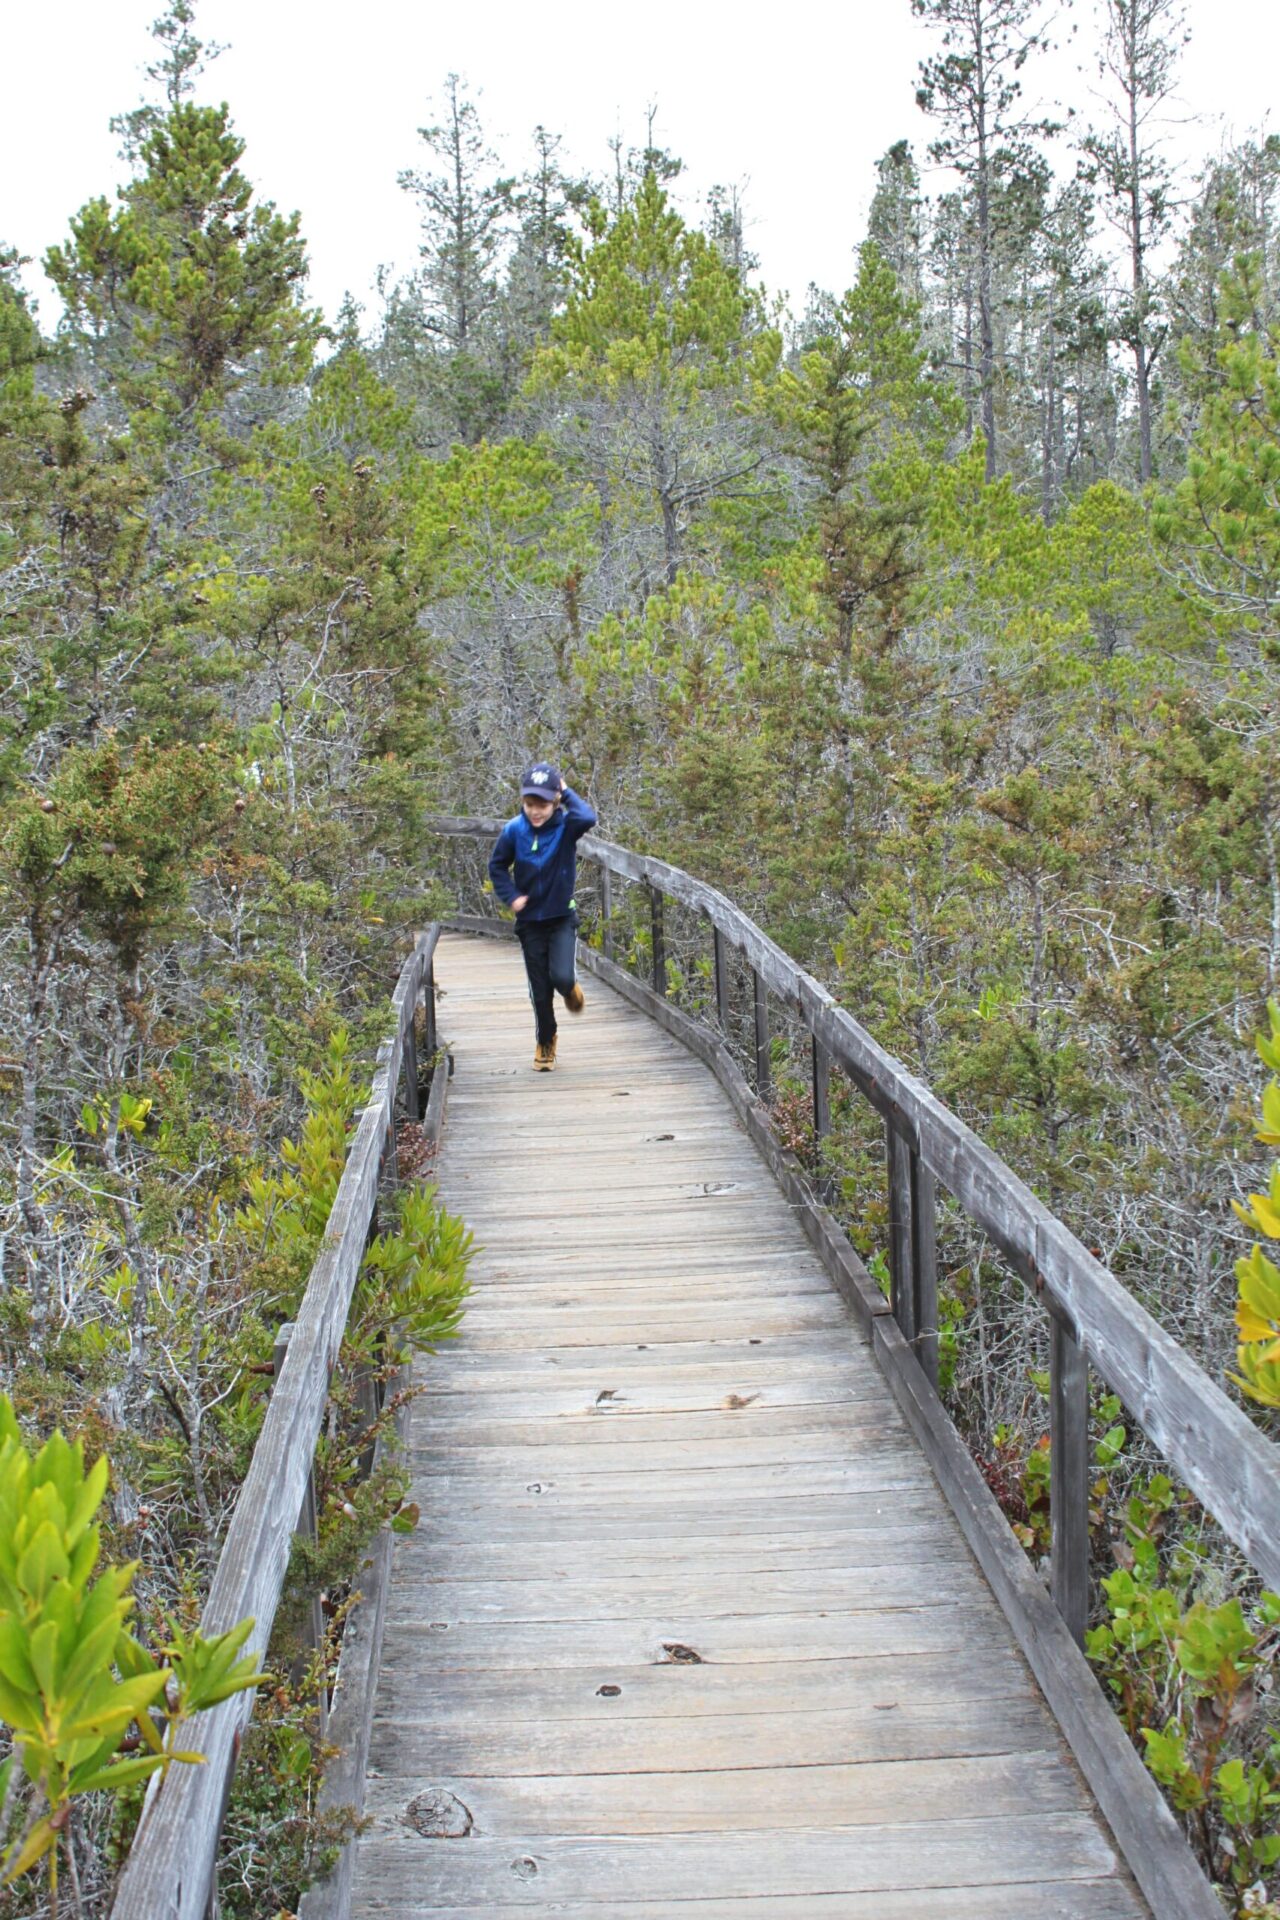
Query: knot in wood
pixel 438 1814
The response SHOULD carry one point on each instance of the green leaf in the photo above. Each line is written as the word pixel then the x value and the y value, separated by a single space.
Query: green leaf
pixel 21 1859
pixel 120 1773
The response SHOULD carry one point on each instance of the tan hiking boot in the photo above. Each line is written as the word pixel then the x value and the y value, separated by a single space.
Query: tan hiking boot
pixel 544 1056
pixel 575 1000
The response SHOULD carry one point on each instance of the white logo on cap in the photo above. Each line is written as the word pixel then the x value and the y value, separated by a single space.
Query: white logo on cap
pixel 540 779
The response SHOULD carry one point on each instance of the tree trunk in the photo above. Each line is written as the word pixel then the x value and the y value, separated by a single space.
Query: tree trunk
pixel 1142 368
pixel 985 321
pixel 43 955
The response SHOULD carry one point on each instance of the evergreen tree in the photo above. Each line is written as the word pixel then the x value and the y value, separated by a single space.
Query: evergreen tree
pixel 1075 396
pixel 864 419
pixel 467 210
pixel 1139 58
pixel 180 63
pixel 1224 517
pixel 973 88
pixel 1236 211
pixel 189 284
pixel 465 207
pixel 545 201
pixel 896 220
pixel 659 339
pixel 727 226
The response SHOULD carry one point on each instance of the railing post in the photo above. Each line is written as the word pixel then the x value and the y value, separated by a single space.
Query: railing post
pixel 429 1009
pixel 924 1265
pixel 913 1249
pixel 368 1405
pixel 902 1292
pixel 760 999
pixel 409 1067
pixel 313 1631
pixel 659 943
pixel 821 1104
pixel 606 911
pixel 720 967
pixel 1069 1476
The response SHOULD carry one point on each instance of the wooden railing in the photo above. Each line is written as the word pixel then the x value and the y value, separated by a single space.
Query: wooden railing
pixel 1094 1322
pixel 171 1870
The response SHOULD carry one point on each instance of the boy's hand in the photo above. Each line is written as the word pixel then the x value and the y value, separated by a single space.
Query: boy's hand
pixel 520 902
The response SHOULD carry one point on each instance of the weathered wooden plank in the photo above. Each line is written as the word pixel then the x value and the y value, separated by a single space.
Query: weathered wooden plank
pixel 751 1801
pixel 700 1486
pixel 605 1694
pixel 648 1359
pixel 924 1266
pixel 760 1007
pixel 613 1323
pixel 669 1591
pixel 640 1366
pixel 625 1289
pixel 653 1518
pixel 984 1853
pixel 659 942
pixel 720 973
pixel 901 1263
pixel 964 1630
pixel 481 1558
pixel 572 1465
pixel 611 1426
pixel 777 1260
pixel 1085 1899
pixel 709 1743
pixel 698 1391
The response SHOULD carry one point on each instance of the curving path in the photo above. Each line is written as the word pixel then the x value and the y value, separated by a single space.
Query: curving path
pixel 687 1630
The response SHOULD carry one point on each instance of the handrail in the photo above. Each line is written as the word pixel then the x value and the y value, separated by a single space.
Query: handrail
pixel 170 1872
pixel 1231 1467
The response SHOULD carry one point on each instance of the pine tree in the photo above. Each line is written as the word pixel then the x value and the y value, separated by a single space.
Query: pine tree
pixel 662 341
pixel 1236 211
pixel 180 63
pixel 1224 518
pixel 863 417
pixel 896 220
pixel 1139 59
pixel 465 208
pixel 189 283
pixel 972 86
pixel 544 202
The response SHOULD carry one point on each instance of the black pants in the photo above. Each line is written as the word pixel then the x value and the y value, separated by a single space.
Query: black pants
pixel 550 948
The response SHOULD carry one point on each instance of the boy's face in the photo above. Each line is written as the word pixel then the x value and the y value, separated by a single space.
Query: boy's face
pixel 538 811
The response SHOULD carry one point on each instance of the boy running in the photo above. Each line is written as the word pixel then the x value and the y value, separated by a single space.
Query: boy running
pixel 533 867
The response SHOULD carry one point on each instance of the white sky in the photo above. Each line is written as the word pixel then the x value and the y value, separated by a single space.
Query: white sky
pixel 794 106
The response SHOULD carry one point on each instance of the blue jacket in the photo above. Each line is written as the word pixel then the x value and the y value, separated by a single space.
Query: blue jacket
pixel 542 861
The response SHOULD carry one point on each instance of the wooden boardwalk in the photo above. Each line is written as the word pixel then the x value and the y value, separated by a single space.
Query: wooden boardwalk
pixel 686 1628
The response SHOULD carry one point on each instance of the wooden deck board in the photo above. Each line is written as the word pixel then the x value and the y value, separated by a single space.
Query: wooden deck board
pixel 660 1436
pixel 751 1800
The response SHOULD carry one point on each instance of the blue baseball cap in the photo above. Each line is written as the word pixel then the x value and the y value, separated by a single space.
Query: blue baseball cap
pixel 541 781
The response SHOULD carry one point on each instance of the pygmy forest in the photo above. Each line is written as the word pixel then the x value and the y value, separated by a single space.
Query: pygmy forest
pixel 935 621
